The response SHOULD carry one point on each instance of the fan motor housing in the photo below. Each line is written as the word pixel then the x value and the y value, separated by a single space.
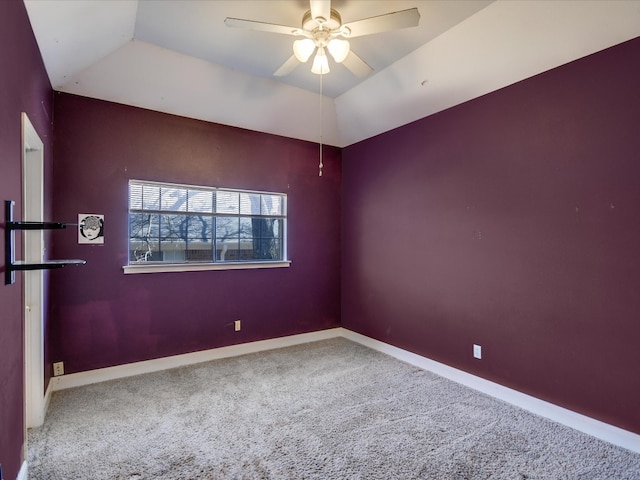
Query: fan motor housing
pixel 309 24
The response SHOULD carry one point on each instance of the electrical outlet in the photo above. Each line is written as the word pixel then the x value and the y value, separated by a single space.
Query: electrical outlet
pixel 477 351
pixel 58 369
pixel 236 325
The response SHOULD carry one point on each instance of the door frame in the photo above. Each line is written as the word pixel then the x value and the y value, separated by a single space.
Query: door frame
pixel 33 281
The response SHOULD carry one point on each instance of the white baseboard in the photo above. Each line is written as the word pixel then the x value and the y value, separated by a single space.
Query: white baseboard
pixel 47 398
pixel 596 428
pixel 591 426
pixel 23 474
pixel 148 366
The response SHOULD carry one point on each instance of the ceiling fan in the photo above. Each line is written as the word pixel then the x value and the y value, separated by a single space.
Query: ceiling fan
pixel 322 29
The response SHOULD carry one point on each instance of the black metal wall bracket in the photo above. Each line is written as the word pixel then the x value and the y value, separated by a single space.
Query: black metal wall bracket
pixel 11 265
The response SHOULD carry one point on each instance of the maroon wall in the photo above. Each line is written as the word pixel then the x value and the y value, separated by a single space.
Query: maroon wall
pixel 102 317
pixel 510 221
pixel 24 87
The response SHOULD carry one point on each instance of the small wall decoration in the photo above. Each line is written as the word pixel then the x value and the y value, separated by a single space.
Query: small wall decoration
pixel 90 228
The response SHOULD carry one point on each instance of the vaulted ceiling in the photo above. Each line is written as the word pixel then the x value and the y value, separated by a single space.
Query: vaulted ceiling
pixel 177 56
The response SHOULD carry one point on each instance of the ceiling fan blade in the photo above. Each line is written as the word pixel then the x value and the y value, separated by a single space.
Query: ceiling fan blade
pixel 287 67
pixel 357 66
pixel 261 26
pixel 383 23
pixel 320 8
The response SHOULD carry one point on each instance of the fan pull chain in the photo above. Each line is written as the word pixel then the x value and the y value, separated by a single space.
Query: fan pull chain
pixel 321 165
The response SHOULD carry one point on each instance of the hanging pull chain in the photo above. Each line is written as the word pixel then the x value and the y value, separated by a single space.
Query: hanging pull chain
pixel 321 165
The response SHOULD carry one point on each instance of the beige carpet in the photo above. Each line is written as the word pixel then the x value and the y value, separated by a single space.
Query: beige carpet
pixel 326 410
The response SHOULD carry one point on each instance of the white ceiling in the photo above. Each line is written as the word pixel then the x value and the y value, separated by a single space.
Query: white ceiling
pixel 177 56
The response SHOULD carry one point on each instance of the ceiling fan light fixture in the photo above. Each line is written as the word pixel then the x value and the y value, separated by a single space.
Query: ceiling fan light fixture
pixel 339 49
pixel 303 49
pixel 320 63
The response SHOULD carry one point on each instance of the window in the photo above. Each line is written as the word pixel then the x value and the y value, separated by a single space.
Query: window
pixel 185 224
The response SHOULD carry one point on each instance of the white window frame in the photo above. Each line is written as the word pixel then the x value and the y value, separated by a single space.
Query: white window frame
pixel 191 266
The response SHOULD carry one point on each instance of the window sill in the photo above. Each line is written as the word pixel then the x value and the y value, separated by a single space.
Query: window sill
pixel 197 267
